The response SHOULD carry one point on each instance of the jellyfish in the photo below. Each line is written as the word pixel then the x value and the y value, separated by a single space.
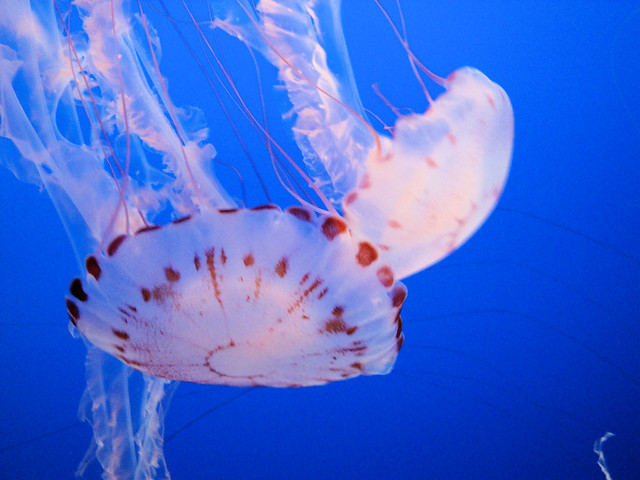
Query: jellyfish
pixel 183 282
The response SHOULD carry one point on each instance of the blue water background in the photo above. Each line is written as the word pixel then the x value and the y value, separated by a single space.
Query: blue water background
pixel 522 348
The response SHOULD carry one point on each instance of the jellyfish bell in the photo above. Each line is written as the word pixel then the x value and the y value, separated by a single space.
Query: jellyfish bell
pixel 243 297
pixel 434 183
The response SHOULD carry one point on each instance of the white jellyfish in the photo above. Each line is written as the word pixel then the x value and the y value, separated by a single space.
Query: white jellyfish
pixel 181 282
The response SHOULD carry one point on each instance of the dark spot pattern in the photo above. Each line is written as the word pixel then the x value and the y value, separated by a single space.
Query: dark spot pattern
pixel 336 323
pixel 398 296
pixel 77 291
pixel 115 244
pixel 132 363
pixel 211 266
pixel 148 228
pixel 120 334
pixel 385 275
pixel 181 220
pixel 93 269
pixel 146 294
pixel 367 254
pixel 300 213
pixel 268 206
pixel 171 275
pixel 332 227
pixel 196 262
pixel 300 297
pixel 248 260
pixel 281 267
pixel 356 347
pixel 74 313
pixel 399 322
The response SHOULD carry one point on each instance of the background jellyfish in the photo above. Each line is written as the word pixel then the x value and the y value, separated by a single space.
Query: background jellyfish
pixel 478 390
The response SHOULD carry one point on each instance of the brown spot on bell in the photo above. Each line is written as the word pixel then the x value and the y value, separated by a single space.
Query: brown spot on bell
pixel 115 244
pixel 74 313
pixel 281 267
pixel 171 275
pixel 385 275
pixel 92 267
pixel 300 213
pixel 77 291
pixel 332 227
pixel 367 254
pixel 120 334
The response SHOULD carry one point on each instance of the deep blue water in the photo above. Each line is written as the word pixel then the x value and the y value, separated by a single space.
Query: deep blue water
pixel 522 348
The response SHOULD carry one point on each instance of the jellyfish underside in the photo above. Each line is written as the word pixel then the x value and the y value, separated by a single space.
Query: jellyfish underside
pixel 223 294
pixel 303 303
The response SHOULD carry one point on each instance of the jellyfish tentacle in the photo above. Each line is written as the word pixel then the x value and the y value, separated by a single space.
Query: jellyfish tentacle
pixel 128 427
pixel 304 40
pixel 62 97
